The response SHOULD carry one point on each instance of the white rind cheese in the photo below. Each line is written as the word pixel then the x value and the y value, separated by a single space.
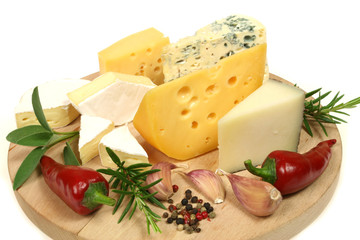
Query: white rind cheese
pixel 211 43
pixel 125 145
pixel 92 129
pixel 112 96
pixel 267 120
pixel 54 101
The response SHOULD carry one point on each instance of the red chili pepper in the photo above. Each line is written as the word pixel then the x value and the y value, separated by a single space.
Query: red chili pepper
pixel 84 190
pixel 289 171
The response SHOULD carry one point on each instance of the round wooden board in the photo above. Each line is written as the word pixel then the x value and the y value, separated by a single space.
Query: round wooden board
pixel 296 211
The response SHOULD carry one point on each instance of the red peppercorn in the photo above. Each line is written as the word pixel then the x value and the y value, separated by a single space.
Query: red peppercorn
pixel 200 201
pixel 199 216
pixel 204 214
pixel 175 188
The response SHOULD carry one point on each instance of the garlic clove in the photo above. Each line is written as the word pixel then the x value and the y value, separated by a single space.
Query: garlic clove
pixel 209 184
pixel 258 197
pixel 164 188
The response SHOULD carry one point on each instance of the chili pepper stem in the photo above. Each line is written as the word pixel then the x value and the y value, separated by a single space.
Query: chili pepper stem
pixel 95 195
pixel 267 172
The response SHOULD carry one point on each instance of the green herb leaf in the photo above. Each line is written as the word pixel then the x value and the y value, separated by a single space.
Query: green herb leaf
pixel 38 109
pixel 69 156
pixel 33 135
pixel 113 156
pixel 28 166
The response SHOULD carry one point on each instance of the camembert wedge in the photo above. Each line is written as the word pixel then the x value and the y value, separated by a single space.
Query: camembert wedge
pixel 92 130
pixel 113 96
pixel 125 146
pixel 56 105
pixel 269 119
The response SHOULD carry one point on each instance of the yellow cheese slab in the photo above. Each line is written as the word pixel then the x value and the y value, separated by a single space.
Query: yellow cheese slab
pixel 180 117
pixel 138 54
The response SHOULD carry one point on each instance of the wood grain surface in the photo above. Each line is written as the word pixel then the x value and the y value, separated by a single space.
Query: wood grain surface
pixel 296 211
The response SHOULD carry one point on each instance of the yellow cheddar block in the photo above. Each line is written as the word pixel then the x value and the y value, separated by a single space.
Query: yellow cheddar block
pixel 137 54
pixel 180 117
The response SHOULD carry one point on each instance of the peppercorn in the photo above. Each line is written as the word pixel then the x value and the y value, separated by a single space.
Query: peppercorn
pixel 210 209
pixel 189 230
pixel 212 215
pixel 202 209
pixel 184 201
pixel 165 215
pixel 194 199
pixel 169 220
pixel 174 215
pixel 180 227
pixel 204 214
pixel 175 188
pixel 180 221
pixel 188 191
pixel 207 205
pixel 170 201
pixel 199 216
pixel 178 205
pixel 198 205
pixel 188 207
pixel 198 230
pixel 200 201
pixel 172 208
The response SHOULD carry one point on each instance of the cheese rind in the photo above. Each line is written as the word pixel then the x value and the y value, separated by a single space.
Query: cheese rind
pixel 112 96
pixel 124 145
pixel 269 119
pixel 92 129
pixel 56 105
pixel 211 43
pixel 179 118
pixel 137 54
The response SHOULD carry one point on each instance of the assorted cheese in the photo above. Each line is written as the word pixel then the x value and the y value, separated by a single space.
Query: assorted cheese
pixel 269 119
pixel 92 129
pixel 180 118
pixel 113 96
pixel 56 106
pixel 137 54
pixel 124 145
pixel 211 43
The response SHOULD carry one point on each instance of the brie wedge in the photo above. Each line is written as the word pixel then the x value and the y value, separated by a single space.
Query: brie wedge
pixel 125 146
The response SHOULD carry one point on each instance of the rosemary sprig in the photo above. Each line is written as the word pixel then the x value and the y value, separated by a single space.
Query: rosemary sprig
pixel 313 110
pixel 130 181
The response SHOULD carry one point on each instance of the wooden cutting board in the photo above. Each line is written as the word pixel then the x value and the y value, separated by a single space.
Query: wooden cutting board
pixel 296 211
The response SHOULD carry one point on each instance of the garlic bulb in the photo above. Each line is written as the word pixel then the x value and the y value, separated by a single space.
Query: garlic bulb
pixel 209 184
pixel 164 188
pixel 258 197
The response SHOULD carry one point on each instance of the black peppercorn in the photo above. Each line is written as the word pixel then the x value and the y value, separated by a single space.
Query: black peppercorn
pixel 169 220
pixel 210 209
pixel 207 205
pixel 165 215
pixel 184 201
pixel 188 207
pixel 194 199
pixel 180 221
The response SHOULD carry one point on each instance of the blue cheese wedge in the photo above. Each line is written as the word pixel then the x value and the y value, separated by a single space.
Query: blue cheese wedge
pixel 92 130
pixel 212 43
pixel 124 145
pixel 56 105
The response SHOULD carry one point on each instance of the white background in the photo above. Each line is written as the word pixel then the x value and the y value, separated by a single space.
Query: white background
pixel 311 43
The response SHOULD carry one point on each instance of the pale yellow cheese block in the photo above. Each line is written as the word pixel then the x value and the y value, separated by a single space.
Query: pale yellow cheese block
pixel 180 118
pixel 137 54
pixel 267 120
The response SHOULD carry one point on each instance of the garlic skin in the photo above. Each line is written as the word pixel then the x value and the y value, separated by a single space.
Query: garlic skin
pixel 209 184
pixel 164 188
pixel 258 197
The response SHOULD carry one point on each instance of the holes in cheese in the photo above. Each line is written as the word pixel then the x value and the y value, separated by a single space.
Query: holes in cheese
pixel 179 118
pixel 137 54
pixel 271 117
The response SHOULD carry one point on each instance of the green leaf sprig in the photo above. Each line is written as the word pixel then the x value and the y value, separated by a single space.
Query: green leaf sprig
pixel 325 114
pixel 130 181
pixel 40 136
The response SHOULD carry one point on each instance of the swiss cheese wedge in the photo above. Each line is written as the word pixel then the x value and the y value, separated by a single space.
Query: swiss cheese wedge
pixel 180 118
